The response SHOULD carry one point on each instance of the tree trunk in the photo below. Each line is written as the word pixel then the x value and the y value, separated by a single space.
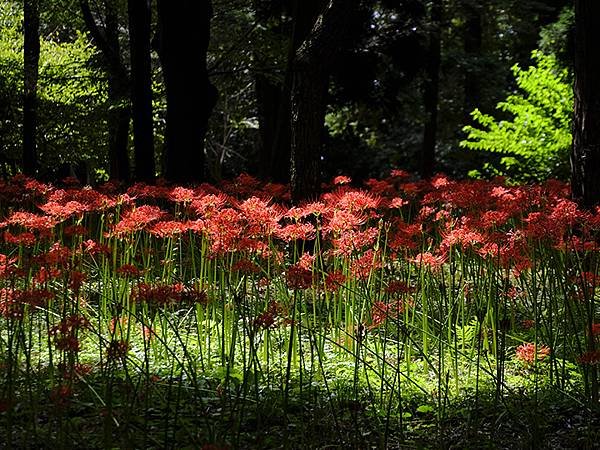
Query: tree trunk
pixel 184 34
pixel 273 99
pixel 274 128
pixel 141 88
pixel 585 156
pixel 31 51
pixel 311 68
pixel 472 39
pixel 119 112
pixel 431 91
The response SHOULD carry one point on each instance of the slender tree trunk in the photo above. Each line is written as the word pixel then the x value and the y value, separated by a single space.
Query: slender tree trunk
pixel 472 39
pixel 141 88
pixel 311 68
pixel 431 91
pixel 119 111
pixel 184 35
pixel 585 156
pixel 31 50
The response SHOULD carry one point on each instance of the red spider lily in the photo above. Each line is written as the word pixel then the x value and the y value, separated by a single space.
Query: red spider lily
pixel 362 267
pixel 77 370
pixel 297 231
pixel 158 294
pixel 168 228
pixel 493 219
pixel 63 211
pixel 353 201
pixel 262 219
pixel 7 266
pixel 117 324
pixel 75 230
pixel 194 296
pixel 429 260
pixel 95 248
pixel 147 332
pixel 182 195
pixel 380 187
pixel 382 312
pixel 398 203
pixel 527 324
pixel 30 221
pixel 58 255
pixel 64 334
pixel 129 270
pixel 243 185
pixel 117 349
pixel 60 395
pixel 209 204
pixel 142 190
pixel 397 287
pixel 10 306
pixel 45 274
pixel 76 280
pixel 353 241
pixel 310 209
pixel 528 353
pixel 339 180
pixel 13 301
pixel 404 236
pixel 400 174
pixel 267 319
pixel 224 230
pixel 333 281
pixel 137 219
pixel 463 237
pixel 589 358
pixel 26 239
pixel 298 277
pixel 245 266
pixel 341 221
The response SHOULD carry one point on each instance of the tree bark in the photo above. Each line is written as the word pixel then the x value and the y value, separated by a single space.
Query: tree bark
pixel 431 91
pixel 472 39
pixel 185 26
pixel 273 99
pixel 119 111
pixel 585 155
pixel 31 54
pixel 141 88
pixel 311 68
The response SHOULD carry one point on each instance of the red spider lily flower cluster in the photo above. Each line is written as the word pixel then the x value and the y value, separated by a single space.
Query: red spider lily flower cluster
pixel 13 301
pixel 65 333
pixel 528 353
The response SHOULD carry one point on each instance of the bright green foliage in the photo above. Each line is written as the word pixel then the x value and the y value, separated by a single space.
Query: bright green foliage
pixel 71 94
pixel 534 144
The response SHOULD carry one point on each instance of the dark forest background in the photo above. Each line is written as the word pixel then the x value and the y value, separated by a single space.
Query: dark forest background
pixel 286 90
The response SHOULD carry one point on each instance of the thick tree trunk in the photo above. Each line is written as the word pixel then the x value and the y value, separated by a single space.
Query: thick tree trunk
pixel 585 156
pixel 431 91
pixel 184 34
pixel 273 98
pixel 274 128
pixel 308 116
pixel 141 88
pixel 119 112
pixel 31 51
pixel 311 68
